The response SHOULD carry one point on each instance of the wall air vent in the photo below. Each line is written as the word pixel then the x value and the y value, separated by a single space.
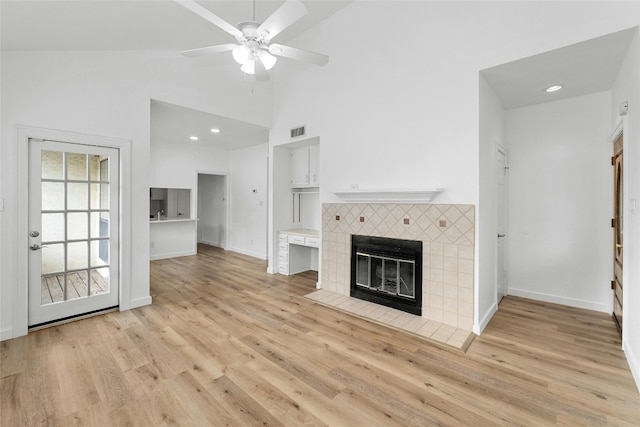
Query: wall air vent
pixel 297 132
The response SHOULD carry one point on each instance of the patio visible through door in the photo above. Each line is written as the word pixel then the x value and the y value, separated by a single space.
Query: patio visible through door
pixel 73 230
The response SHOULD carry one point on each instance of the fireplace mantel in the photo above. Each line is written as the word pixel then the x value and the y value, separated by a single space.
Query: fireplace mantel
pixel 424 195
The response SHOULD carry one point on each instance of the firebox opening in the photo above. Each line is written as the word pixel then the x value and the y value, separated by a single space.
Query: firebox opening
pixel 388 272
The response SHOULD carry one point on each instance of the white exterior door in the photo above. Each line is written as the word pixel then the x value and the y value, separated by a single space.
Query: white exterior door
pixel 73 230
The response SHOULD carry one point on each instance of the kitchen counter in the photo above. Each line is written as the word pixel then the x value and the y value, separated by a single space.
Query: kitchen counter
pixel 155 221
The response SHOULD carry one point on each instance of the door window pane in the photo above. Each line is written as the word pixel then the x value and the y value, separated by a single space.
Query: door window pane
pixel 52 258
pixel 52 165
pixel 78 196
pixel 77 255
pixel 77 166
pixel 52 289
pixel 99 252
pixel 77 285
pixel 99 280
pixel 52 196
pixel 52 227
pixel 99 226
pixel 77 226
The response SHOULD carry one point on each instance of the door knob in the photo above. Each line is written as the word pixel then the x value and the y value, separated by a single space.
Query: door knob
pixel 36 247
pixel 34 233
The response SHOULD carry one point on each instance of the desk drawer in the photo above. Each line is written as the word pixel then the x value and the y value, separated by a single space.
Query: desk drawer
pixel 284 237
pixel 312 241
pixel 296 240
pixel 283 247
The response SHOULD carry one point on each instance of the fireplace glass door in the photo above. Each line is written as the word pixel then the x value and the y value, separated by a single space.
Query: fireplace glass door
pixel 389 275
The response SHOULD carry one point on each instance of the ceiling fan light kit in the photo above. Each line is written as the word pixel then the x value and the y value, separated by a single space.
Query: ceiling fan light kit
pixel 254 51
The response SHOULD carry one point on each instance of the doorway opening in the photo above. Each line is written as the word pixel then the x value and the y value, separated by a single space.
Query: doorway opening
pixel 212 208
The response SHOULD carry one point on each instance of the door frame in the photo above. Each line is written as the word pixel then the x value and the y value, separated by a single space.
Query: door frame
pixel 23 134
pixel 620 128
pixel 501 150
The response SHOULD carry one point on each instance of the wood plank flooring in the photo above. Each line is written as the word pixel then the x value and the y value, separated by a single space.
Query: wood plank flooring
pixel 225 344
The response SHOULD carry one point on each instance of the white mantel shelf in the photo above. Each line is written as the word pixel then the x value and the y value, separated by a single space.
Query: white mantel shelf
pixel 423 195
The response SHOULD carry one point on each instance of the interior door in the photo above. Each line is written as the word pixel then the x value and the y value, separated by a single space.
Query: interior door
pixel 617 223
pixel 73 230
pixel 501 190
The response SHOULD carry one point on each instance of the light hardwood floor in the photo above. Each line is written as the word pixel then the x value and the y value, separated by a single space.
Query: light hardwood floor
pixel 224 343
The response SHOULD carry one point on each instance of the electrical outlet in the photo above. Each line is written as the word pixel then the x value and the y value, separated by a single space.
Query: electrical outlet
pixel 355 186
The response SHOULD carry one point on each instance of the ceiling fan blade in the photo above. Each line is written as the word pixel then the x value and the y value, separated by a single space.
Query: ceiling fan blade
pixel 209 16
pixel 261 73
pixel 209 50
pixel 287 14
pixel 298 54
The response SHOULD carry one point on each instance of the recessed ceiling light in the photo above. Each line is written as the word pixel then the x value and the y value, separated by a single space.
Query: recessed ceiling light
pixel 193 138
pixel 553 88
pixel 215 130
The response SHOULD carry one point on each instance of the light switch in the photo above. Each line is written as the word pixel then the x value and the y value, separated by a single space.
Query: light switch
pixel 632 205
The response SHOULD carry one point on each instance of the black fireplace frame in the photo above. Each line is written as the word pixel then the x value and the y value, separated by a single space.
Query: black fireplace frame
pixel 394 248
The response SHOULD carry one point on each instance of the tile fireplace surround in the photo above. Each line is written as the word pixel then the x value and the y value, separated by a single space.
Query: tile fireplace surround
pixel 447 233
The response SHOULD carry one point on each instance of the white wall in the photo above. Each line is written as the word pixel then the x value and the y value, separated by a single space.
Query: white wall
pixel 248 228
pixel 212 212
pixel 559 201
pixel 627 88
pixel 402 109
pixel 106 94
pixel 491 136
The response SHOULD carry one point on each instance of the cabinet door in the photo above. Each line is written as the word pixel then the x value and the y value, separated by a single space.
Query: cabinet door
pixel 299 167
pixel 314 165
pixel 172 204
pixel 184 204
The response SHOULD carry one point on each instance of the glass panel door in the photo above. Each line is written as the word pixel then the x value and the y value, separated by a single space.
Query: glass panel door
pixel 73 230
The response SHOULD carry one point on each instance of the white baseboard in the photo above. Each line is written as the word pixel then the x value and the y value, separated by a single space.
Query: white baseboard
pixel 634 363
pixel 271 270
pixel 171 255
pixel 571 302
pixel 140 302
pixel 249 253
pixel 210 243
pixel 477 329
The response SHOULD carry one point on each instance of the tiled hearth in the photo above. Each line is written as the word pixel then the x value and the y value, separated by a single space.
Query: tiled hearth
pixel 447 233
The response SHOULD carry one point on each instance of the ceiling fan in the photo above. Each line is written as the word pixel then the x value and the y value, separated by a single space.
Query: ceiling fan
pixel 254 50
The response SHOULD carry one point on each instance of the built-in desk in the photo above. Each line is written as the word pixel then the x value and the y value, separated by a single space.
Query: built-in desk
pixel 298 250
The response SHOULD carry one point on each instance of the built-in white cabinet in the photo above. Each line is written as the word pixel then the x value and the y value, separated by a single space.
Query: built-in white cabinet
pixel 158 193
pixel 314 165
pixel 304 166
pixel 297 251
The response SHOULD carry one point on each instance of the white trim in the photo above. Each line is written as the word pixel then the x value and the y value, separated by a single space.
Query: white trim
pixel 172 255
pixel 556 299
pixel 140 302
pixel 249 253
pixel 210 243
pixel 6 334
pixel 478 328
pixel 22 136
pixel 420 195
pixel 631 360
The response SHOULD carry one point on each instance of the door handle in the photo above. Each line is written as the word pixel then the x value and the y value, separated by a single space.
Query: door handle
pixel 36 247
pixel 502 235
